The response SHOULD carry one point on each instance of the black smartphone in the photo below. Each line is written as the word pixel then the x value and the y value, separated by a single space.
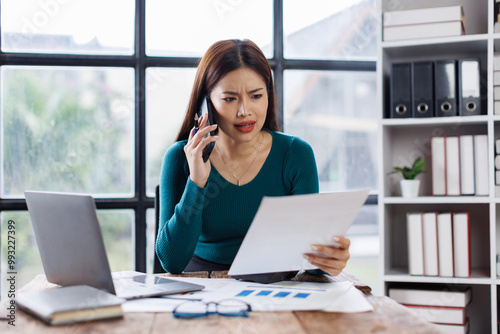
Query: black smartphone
pixel 207 108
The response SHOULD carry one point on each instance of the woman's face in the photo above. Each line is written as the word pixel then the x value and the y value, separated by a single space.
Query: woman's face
pixel 240 99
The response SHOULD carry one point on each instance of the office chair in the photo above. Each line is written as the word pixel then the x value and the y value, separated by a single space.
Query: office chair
pixel 157 268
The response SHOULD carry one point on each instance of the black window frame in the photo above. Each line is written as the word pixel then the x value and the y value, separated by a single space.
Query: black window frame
pixel 139 61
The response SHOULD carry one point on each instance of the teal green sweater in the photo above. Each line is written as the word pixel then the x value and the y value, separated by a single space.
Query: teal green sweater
pixel 211 222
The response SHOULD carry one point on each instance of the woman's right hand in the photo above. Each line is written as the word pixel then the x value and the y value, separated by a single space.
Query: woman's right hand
pixel 199 170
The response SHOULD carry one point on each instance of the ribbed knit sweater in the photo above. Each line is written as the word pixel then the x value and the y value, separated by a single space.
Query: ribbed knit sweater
pixel 211 222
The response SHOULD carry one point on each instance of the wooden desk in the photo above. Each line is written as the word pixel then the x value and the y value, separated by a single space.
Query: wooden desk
pixel 387 317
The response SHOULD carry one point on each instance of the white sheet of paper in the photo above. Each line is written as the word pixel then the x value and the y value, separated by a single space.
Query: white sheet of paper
pixel 285 227
pixel 279 296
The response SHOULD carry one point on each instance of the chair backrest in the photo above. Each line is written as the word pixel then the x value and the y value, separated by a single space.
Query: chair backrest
pixel 157 268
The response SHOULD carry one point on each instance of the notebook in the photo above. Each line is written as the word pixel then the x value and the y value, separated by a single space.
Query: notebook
pixel 71 304
pixel 71 246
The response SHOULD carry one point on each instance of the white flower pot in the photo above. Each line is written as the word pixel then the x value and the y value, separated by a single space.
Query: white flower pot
pixel 409 188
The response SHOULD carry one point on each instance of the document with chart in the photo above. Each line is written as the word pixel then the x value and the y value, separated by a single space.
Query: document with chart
pixel 279 296
pixel 284 228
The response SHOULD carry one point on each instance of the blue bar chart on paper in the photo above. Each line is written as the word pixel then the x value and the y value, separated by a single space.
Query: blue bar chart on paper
pixel 271 293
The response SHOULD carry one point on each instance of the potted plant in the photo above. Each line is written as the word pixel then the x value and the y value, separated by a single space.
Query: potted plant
pixel 409 185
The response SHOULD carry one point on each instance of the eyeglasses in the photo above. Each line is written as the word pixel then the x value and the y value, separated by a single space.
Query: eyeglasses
pixel 226 307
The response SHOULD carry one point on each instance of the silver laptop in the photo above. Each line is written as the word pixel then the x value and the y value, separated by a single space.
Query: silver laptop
pixel 69 238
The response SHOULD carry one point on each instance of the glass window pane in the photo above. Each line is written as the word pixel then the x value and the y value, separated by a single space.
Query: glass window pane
pixel 117 228
pixel 118 232
pixel 188 28
pixel 67 129
pixel 150 239
pixel 27 261
pixel 365 248
pixel 62 26
pixel 167 96
pixel 335 112
pixel 325 29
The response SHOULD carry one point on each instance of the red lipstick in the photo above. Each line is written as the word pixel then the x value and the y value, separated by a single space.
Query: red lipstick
pixel 246 126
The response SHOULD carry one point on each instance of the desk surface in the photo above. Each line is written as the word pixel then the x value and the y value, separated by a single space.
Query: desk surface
pixel 387 317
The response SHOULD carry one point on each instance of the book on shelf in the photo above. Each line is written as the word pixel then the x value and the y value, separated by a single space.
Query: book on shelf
pixel 441 314
pixel 71 304
pixel 438 244
pixel 452 166
pixel 496 93
pixel 438 168
pixel 467 178
pixel 454 329
pixel 461 244
pixel 426 30
pixel 445 244
pixel 496 63
pixel 422 15
pixel 480 165
pixel 415 243
pixel 443 296
pixel 498 264
pixel 458 165
pixel 496 107
pixel 496 78
pixel 430 243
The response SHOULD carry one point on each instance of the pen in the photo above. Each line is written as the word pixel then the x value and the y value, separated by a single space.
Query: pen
pixel 195 123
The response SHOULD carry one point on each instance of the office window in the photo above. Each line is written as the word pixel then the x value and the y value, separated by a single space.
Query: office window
pixel 333 111
pixel 340 30
pixel 150 239
pixel 76 27
pixel 167 95
pixel 118 232
pixel 93 93
pixel 67 129
pixel 188 28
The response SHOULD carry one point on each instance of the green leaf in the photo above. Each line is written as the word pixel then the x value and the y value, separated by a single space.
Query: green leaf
pixel 409 173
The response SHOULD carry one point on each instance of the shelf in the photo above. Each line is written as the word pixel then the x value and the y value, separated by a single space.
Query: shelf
pixel 436 41
pixel 404 139
pixel 436 120
pixel 477 277
pixel 438 200
pixel 450 47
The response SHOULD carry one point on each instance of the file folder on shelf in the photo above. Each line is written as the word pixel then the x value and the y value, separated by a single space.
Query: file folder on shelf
pixel 469 87
pixel 438 154
pixel 422 89
pixel 401 90
pixel 467 173
pixel 445 87
pixel 452 156
pixel 430 243
pixel 461 244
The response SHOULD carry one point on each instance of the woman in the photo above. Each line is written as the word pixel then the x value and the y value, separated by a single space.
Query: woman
pixel 206 207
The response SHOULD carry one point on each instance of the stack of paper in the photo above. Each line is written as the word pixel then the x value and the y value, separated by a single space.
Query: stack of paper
pixel 279 296
pixel 423 23
pixel 444 307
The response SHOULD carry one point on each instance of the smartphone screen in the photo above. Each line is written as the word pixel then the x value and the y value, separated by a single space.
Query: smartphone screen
pixel 207 109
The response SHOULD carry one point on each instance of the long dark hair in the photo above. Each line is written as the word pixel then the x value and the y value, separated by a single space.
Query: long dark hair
pixel 220 59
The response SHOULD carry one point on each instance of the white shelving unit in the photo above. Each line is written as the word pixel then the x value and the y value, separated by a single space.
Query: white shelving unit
pixel 402 140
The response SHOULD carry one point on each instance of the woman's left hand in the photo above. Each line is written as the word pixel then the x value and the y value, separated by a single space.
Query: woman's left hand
pixel 329 258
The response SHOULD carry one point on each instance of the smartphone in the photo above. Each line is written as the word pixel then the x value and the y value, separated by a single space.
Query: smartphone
pixel 207 108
